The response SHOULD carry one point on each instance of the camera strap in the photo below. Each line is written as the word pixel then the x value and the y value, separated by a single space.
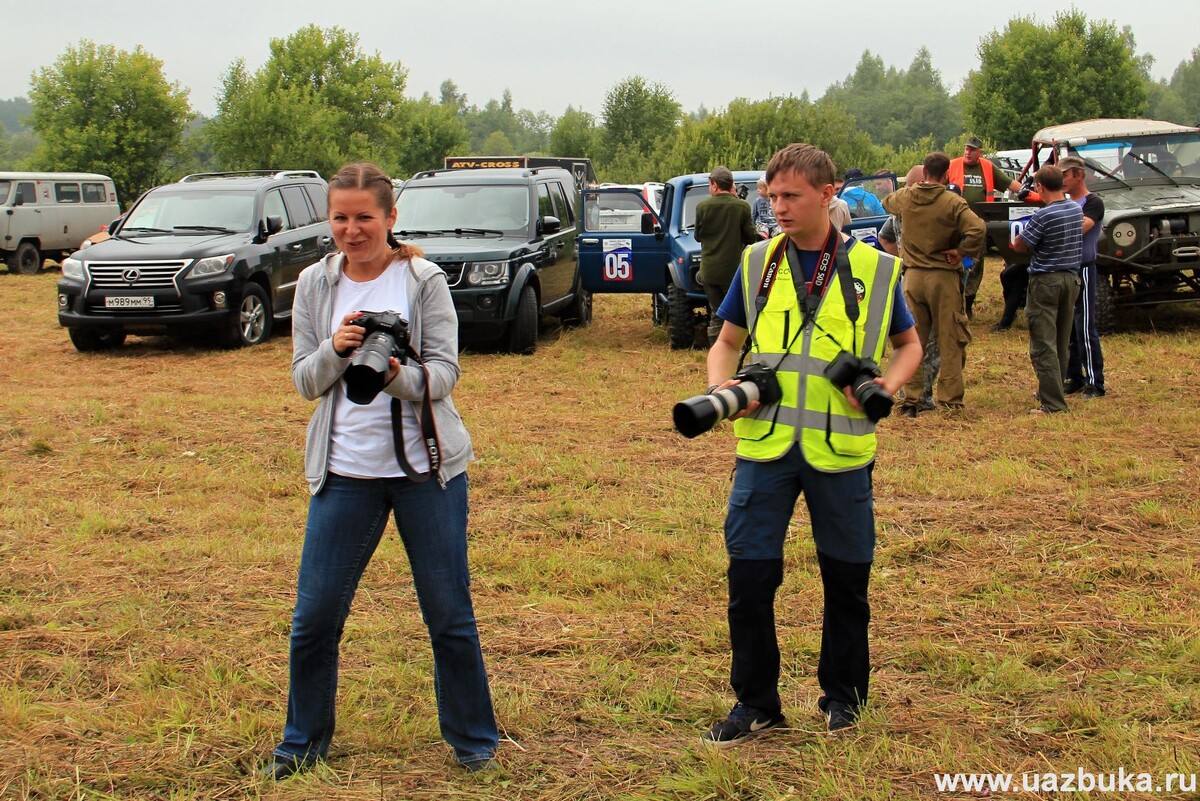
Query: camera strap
pixel 429 436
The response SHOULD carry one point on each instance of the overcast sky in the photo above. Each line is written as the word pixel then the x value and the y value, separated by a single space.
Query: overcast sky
pixel 551 55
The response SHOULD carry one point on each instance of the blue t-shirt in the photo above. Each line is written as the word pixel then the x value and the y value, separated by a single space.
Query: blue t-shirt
pixel 1055 235
pixel 733 308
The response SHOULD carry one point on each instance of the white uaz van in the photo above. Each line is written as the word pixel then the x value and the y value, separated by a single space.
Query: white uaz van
pixel 50 214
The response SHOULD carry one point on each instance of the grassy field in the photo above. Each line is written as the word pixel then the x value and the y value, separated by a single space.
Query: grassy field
pixel 1035 592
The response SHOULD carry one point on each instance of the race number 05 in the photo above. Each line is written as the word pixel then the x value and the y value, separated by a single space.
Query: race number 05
pixel 617 267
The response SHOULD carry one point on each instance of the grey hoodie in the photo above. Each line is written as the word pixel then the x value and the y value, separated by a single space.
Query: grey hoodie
pixel 433 332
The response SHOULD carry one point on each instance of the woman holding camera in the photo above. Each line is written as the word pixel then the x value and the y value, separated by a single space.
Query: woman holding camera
pixel 363 462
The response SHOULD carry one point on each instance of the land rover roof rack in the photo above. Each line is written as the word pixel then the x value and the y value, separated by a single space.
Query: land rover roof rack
pixel 199 176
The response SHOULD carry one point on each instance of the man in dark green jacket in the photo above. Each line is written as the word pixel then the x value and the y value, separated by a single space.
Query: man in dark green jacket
pixel 723 229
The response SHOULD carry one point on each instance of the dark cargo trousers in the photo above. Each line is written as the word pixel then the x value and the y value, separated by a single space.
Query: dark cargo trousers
pixel 1050 313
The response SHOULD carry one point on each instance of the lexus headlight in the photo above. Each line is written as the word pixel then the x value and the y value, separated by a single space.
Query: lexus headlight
pixel 72 268
pixel 213 265
pixel 488 273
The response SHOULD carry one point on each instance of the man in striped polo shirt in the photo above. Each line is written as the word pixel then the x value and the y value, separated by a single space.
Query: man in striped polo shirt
pixel 1055 236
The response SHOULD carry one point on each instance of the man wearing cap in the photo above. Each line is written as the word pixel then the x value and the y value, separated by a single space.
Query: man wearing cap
pixel 861 202
pixel 1085 368
pixel 723 228
pixel 979 180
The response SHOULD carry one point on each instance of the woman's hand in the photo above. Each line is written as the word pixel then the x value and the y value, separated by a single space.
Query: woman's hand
pixel 349 336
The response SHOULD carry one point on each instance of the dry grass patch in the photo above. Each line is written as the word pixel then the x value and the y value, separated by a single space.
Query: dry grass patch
pixel 1034 593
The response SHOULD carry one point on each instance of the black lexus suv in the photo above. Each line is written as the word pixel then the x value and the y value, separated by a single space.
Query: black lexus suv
pixel 215 251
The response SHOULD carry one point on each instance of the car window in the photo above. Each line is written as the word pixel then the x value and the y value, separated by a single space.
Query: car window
pixel 273 207
pixel 168 208
pixel 66 193
pixel 495 207
pixel 27 193
pixel 5 186
pixel 697 192
pixel 566 211
pixel 297 206
pixel 614 211
pixel 545 205
pixel 320 201
pixel 93 193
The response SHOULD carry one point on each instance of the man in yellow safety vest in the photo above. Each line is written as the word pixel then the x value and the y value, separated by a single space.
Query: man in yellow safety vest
pixel 801 301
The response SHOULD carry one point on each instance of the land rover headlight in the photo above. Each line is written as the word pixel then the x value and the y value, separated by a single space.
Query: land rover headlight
pixel 488 273
pixel 72 268
pixel 213 265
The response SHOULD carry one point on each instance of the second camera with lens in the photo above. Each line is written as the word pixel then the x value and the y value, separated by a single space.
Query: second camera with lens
pixel 386 336
pixel 859 374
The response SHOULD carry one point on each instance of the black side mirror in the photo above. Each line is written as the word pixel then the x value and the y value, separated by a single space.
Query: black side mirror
pixel 19 200
pixel 273 225
pixel 551 225
pixel 648 226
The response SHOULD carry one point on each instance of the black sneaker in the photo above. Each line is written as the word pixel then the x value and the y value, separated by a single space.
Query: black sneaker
pixel 1093 391
pixel 279 767
pixel 1071 386
pixel 1001 326
pixel 743 722
pixel 839 715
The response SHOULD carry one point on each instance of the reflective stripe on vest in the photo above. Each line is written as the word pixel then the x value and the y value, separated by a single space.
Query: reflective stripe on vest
pixel 958 174
pixel 833 436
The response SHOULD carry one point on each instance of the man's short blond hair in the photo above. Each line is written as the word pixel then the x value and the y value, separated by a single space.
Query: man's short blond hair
pixel 813 163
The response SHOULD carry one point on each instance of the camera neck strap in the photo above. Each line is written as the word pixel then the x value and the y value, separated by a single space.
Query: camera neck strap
pixel 429 435
pixel 833 259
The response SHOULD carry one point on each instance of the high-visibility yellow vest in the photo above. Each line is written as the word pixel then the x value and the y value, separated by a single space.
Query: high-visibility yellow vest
pixel 834 436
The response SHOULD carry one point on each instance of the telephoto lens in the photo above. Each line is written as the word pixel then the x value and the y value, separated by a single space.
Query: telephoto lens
pixel 368 370
pixel 696 415
pixel 386 336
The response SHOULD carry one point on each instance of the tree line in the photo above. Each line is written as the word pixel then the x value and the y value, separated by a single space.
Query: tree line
pixel 319 101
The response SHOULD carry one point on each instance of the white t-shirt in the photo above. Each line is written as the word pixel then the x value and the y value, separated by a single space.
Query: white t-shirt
pixel 361 444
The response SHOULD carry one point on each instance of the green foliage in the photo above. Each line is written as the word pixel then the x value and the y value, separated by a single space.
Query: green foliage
pixel 16 152
pixel 324 102
pixel 897 107
pixel 1033 75
pixel 1185 85
pixel 428 133
pixel 497 144
pixel 638 115
pixel 110 111
pixel 14 114
pixel 575 134
pixel 749 132
pixel 524 131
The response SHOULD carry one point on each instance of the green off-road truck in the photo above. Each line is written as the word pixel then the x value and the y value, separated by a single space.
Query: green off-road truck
pixel 1148 174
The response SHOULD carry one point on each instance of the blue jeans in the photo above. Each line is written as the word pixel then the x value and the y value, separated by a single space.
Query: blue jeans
pixel 345 522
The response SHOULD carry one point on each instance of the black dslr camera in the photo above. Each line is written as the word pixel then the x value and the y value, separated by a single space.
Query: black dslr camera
pixel 848 370
pixel 387 336
pixel 696 415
